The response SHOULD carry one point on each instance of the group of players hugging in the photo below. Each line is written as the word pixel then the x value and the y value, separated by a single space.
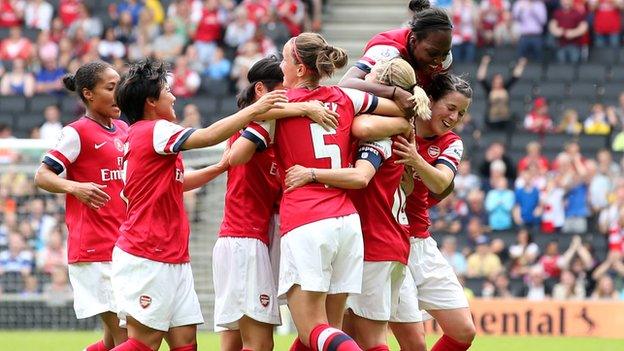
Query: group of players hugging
pixel 328 189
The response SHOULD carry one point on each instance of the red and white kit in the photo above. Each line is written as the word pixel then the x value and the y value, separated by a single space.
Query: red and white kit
pixel 435 281
pixel 381 206
pixel 152 276
pixel 90 152
pixel 320 227
pixel 242 272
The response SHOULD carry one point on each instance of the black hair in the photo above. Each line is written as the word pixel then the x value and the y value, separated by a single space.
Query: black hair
pixel 144 79
pixel 418 5
pixel 87 76
pixel 266 71
pixel 429 19
pixel 445 83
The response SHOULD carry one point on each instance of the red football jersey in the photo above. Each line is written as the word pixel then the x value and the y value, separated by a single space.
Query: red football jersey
pixel 90 152
pixel 381 205
pixel 253 188
pixel 303 142
pixel 392 44
pixel 156 226
pixel 446 149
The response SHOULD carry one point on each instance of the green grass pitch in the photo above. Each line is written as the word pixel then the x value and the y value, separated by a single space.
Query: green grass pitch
pixel 76 341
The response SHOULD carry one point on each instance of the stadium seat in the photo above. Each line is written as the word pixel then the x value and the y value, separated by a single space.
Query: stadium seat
pixel 30 33
pixel 581 106
pixel 555 143
pixel 582 90
pixel 504 54
pixel 7 64
pixel 616 73
pixel 593 143
pixel 522 89
pixel 551 90
pixel 12 282
pixel 604 56
pixel 520 139
pixel 12 104
pixel 38 103
pixel 611 90
pixel 590 72
pixel 27 121
pixel 533 72
pixel 561 73
pixel 475 284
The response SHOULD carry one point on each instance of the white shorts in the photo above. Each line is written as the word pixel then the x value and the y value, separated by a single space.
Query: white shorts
pixel 438 287
pixel 380 290
pixel 407 310
pixel 158 295
pixel 243 283
pixel 323 256
pixel 93 290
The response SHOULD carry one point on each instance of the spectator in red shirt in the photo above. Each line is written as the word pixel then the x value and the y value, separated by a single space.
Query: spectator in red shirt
pixel 538 120
pixel 533 156
pixel 569 26
pixel 185 80
pixel 292 13
pixel 16 46
pixel 209 30
pixel 256 10
pixel 552 261
pixel 68 11
pixel 607 21
pixel 10 14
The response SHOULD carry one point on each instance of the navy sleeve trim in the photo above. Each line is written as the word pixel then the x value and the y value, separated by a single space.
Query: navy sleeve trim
pixel 55 166
pixel 373 105
pixel 177 147
pixel 260 145
pixel 447 164
pixel 371 155
pixel 363 67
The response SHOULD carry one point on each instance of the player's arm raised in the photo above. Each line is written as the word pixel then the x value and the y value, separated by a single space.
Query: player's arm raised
pixel 226 127
pixel 314 110
pixel 437 178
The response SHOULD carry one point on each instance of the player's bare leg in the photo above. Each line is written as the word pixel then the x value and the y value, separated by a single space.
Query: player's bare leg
pixel 456 324
pixel 307 309
pixel 113 333
pixel 230 340
pixel 347 323
pixel 137 332
pixel 411 336
pixel 256 336
pixel 183 338
pixel 335 308
pixel 369 333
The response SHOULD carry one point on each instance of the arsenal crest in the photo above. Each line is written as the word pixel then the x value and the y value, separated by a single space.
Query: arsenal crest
pixel 433 151
pixel 145 301
pixel 264 300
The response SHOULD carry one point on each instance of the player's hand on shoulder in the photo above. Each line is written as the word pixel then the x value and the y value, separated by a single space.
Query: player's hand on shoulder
pixel 319 113
pixel 91 194
pixel 269 101
pixel 297 176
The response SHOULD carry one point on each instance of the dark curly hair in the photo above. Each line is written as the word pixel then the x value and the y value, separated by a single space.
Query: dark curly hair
pixel 429 19
pixel 144 79
pixel 87 76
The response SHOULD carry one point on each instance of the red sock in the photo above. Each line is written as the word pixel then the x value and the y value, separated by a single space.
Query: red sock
pixel 299 346
pixel 191 347
pixel 326 338
pixel 132 345
pixel 98 346
pixel 379 348
pixel 446 343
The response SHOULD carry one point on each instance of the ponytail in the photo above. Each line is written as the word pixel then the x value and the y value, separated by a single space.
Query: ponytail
pixel 311 50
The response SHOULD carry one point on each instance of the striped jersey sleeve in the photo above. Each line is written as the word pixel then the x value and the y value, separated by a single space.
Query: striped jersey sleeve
pixel 260 133
pixel 452 155
pixel 375 152
pixel 363 102
pixel 65 152
pixel 376 53
pixel 168 137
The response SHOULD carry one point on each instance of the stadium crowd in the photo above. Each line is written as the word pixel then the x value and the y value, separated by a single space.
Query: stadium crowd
pixel 549 205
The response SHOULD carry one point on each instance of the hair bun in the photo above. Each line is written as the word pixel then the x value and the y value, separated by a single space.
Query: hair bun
pixel 70 82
